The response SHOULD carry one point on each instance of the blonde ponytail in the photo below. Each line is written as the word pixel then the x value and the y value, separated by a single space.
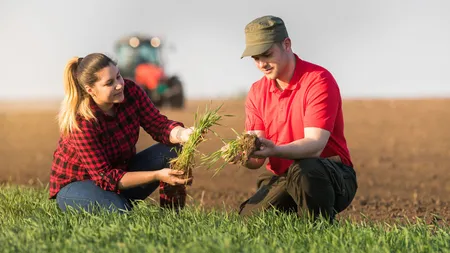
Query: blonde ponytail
pixel 76 101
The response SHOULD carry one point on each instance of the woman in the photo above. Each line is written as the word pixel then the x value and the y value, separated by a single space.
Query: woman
pixel 99 121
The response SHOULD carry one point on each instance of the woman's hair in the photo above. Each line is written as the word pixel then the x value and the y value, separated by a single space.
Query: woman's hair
pixel 78 73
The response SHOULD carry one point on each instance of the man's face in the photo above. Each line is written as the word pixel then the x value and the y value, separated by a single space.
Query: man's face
pixel 274 61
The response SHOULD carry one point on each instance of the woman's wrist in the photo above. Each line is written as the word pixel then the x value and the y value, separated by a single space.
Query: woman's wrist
pixel 156 176
pixel 176 134
pixel 179 134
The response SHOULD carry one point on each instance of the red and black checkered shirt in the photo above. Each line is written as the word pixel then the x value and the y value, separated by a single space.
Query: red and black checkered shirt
pixel 103 148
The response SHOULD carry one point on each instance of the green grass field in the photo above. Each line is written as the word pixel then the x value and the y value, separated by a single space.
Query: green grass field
pixel 32 223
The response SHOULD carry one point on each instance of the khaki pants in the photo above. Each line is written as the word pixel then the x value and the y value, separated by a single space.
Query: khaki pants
pixel 312 186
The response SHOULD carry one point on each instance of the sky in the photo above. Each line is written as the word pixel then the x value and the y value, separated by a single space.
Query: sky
pixel 378 48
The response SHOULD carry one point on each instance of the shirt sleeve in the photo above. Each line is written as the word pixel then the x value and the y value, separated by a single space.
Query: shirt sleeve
pixel 253 118
pixel 151 120
pixel 322 103
pixel 92 154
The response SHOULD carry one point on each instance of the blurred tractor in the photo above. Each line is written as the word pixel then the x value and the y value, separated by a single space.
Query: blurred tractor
pixel 140 59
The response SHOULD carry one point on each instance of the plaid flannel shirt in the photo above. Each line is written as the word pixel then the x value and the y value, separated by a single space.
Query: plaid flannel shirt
pixel 103 148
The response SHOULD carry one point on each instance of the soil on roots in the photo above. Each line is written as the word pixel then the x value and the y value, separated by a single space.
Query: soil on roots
pixel 248 144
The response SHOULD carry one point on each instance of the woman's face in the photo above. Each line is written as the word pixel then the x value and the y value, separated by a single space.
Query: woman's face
pixel 109 87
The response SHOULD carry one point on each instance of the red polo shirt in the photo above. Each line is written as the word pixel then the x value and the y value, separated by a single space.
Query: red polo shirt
pixel 312 99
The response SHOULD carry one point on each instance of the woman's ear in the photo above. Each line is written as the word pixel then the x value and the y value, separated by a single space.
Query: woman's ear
pixel 89 90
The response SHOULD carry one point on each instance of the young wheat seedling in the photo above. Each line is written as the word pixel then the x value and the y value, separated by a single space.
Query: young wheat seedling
pixel 239 149
pixel 185 161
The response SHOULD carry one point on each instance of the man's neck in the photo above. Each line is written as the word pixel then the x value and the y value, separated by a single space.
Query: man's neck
pixel 286 77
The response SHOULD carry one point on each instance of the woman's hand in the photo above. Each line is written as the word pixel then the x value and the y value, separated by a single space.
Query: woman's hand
pixel 184 134
pixel 180 134
pixel 172 177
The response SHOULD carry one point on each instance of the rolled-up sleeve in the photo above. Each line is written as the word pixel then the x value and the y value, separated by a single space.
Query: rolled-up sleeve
pixel 92 154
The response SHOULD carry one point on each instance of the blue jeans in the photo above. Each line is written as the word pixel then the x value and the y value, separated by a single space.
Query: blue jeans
pixel 88 196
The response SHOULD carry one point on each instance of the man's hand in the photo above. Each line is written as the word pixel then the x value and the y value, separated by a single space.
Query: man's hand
pixel 268 148
pixel 172 177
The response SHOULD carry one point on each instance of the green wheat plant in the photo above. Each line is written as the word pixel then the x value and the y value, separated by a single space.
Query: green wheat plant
pixel 185 159
pixel 238 150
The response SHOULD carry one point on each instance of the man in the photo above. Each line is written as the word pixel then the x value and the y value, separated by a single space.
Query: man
pixel 296 111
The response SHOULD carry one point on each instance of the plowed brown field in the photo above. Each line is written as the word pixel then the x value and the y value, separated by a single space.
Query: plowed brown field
pixel 400 148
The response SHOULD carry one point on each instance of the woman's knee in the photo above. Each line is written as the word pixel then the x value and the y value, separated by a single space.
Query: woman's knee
pixel 85 195
pixel 169 151
pixel 163 150
pixel 91 205
pixel 153 158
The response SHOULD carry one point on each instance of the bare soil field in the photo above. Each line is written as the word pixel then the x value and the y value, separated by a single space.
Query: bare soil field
pixel 400 148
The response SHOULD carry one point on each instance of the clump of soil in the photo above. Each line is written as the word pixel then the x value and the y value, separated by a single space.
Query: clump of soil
pixel 237 151
pixel 248 144
pixel 241 148
pixel 172 196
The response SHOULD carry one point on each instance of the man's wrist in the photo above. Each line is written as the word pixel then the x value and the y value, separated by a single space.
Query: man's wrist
pixel 277 150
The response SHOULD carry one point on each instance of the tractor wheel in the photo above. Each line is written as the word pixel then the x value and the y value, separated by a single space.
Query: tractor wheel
pixel 177 99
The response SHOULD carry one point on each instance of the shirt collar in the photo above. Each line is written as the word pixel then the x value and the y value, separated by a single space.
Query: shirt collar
pixel 294 82
pixel 98 112
pixel 95 109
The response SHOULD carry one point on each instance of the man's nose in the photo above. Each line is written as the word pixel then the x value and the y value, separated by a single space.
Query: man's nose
pixel 261 64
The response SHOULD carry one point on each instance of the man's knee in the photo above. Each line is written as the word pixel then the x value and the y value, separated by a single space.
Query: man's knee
pixel 306 171
pixel 309 184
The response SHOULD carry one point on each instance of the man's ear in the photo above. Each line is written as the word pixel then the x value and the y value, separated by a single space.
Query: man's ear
pixel 287 44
